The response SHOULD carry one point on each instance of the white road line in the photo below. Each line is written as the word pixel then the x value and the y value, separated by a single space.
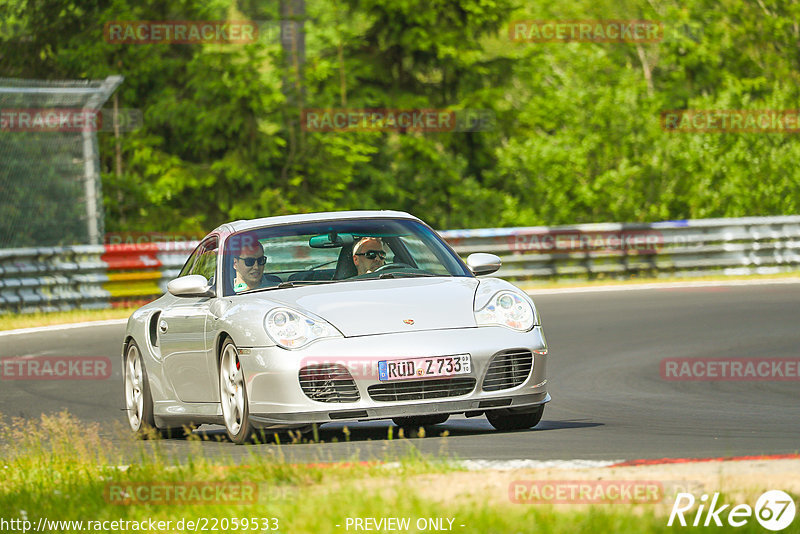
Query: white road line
pixel 512 465
pixel 662 285
pixel 56 327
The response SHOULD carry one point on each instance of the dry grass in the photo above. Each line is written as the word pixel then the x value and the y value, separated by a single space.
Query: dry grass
pixel 60 468
pixel 30 320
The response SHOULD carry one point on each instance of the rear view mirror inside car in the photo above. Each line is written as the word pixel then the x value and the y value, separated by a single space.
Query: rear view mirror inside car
pixel 331 240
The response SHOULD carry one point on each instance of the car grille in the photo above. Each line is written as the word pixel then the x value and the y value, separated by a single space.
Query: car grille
pixel 328 383
pixel 421 389
pixel 508 369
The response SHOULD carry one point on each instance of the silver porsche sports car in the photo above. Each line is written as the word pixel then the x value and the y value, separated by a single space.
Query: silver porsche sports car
pixel 287 321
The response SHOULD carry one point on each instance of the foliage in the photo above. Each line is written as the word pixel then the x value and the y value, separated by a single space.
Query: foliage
pixel 577 136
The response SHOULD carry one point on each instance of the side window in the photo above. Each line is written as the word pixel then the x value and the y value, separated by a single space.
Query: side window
pixel 206 263
pixel 187 267
pixel 423 255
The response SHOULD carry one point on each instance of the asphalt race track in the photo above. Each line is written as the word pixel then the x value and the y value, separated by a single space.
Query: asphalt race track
pixel 609 399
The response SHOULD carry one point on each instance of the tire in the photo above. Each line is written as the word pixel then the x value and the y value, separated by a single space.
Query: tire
pixel 505 420
pixel 139 400
pixel 415 422
pixel 233 396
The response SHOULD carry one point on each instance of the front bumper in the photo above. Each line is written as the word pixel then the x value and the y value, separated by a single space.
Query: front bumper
pixel 276 397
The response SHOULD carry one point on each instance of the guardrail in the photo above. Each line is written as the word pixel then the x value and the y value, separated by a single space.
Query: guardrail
pixel 139 272
pixel 88 276
pixel 103 276
pixel 752 245
pixel 52 278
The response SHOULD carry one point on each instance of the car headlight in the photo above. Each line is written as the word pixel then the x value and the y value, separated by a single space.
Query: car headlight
pixel 291 329
pixel 507 308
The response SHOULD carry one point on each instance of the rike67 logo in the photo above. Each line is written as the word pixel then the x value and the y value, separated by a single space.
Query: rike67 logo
pixel 774 510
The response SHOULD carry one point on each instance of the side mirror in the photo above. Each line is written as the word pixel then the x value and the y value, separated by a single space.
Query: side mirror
pixel 482 263
pixel 193 285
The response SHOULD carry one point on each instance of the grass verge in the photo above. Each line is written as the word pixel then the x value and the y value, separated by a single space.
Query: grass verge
pixel 30 320
pixel 61 469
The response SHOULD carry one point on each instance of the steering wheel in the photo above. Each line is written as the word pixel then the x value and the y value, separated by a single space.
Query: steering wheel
pixel 389 266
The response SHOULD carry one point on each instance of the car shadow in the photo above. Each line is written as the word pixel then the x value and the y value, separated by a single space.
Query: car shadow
pixel 385 430
pixel 558 425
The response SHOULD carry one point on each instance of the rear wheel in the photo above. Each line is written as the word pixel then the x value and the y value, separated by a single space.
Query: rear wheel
pixel 506 420
pixel 232 394
pixel 139 400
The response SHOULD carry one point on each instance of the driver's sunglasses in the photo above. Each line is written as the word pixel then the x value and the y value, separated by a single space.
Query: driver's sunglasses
pixel 372 254
pixel 250 261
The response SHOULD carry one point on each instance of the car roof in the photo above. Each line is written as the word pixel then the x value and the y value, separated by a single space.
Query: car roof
pixel 241 225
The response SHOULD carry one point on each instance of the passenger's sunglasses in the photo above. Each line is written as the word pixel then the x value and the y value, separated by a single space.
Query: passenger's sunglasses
pixel 372 254
pixel 250 261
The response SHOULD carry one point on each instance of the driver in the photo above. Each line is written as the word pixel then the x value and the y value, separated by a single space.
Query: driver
pixel 248 262
pixel 369 255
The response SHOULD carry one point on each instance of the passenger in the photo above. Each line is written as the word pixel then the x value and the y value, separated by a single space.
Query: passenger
pixel 369 255
pixel 248 262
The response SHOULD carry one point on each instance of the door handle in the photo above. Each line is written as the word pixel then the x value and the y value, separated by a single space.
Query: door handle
pixel 162 326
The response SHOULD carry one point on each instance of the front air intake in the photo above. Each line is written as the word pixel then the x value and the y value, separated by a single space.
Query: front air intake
pixel 421 389
pixel 508 369
pixel 328 382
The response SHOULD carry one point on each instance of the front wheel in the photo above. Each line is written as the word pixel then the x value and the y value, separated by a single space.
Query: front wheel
pixel 505 420
pixel 232 394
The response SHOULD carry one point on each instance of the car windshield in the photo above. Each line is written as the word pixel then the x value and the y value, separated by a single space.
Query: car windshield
pixel 278 257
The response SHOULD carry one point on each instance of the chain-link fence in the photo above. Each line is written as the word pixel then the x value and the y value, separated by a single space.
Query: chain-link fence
pixel 50 190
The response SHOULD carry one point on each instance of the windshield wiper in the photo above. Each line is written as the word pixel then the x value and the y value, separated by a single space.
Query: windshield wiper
pixel 404 275
pixel 295 283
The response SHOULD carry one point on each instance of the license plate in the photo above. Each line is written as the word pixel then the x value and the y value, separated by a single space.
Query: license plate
pixel 458 364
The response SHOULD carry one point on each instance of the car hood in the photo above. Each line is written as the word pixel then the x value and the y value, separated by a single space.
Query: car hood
pixel 370 307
